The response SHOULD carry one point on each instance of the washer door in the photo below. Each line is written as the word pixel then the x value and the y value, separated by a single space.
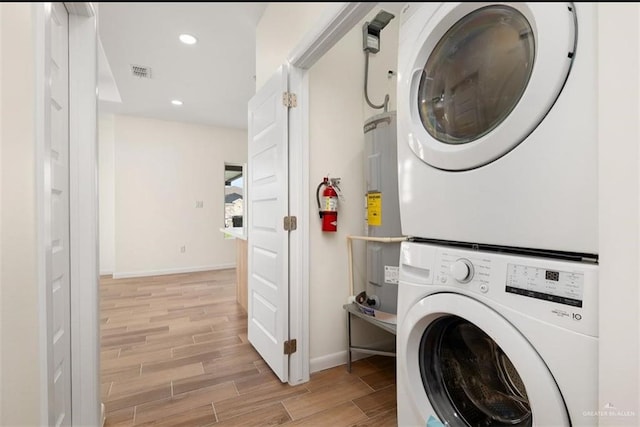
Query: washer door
pixel 468 366
pixel 482 77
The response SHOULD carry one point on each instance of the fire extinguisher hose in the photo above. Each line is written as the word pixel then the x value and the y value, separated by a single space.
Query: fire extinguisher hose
pixel 318 197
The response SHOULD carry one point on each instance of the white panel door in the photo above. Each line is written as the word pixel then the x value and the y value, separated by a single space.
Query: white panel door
pixel 58 288
pixel 268 242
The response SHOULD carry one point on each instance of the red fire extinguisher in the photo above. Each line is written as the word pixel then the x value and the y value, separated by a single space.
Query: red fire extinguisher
pixel 328 206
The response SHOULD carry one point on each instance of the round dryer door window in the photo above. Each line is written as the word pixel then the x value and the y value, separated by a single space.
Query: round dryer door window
pixel 476 74
pixel 483 76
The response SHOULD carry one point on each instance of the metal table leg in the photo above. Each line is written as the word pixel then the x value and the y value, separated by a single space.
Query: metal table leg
pixel 388 327
pixel 349 341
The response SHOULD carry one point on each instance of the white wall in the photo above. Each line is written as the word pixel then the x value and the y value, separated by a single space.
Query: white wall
pixel 106 179
pixel 619 212
pixel 336 144
pixel 19 346
pixel 161 169
pixel 281 28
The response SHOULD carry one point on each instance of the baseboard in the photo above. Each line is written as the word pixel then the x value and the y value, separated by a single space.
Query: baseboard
pixel 106 273
pixel 328 361
pixel 129 274
pixel 332 360
pixel 340 358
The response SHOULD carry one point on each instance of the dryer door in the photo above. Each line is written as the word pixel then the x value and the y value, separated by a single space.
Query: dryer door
pixel 468 366
pixel 482 76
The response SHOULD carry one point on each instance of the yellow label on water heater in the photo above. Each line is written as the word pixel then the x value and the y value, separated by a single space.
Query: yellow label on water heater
pixel 374 209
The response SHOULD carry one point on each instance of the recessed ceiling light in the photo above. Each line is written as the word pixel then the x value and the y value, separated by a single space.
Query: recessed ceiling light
pixel 176 102
pixel 188 39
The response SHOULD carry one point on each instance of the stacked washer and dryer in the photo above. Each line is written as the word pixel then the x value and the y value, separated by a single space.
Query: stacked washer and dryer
pixel 497 176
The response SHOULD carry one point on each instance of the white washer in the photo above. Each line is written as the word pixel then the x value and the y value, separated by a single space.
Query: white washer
pixel 495 339
pixel 497 131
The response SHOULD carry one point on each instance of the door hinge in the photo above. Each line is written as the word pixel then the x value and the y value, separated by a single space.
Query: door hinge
pixel 290 347
pixel 289 100
pixel 290 223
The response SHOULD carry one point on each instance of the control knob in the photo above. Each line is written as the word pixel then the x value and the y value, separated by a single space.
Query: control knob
pixel 462 270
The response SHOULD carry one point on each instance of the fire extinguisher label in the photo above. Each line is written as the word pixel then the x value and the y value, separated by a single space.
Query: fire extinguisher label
pixel 330 203
pixel 374 209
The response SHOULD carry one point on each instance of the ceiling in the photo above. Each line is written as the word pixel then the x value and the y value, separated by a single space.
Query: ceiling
pixel 215 78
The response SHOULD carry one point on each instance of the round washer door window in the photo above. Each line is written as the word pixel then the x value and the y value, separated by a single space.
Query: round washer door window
pixel 463 363
pixel 482 77
pixel 469 378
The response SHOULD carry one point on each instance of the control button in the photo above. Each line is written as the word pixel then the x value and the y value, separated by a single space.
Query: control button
pixel 484 288
pixel 443 279
pixel 462 270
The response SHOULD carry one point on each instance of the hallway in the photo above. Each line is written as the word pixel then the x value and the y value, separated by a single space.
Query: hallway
pixel 175 352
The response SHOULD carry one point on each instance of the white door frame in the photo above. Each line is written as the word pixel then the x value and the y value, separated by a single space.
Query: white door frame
pixel 338 20
pixel 83 167
pixel 83 159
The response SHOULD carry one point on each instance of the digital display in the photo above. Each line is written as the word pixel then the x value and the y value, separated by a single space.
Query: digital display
pixel 563 287
pixel 552 275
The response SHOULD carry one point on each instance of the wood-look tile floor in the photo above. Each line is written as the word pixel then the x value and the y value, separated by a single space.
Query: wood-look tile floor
pixel 175 353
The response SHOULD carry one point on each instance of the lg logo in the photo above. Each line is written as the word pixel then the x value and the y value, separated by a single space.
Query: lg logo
pixel 564 314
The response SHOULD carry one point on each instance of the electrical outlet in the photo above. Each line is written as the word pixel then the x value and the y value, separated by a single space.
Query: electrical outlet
pixel 183 249
pixel 199 203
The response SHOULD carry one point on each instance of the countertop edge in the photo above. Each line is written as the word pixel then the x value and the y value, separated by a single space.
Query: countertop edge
pixel 237 232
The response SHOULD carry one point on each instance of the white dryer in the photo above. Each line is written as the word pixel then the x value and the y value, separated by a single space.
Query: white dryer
pixel 497 124
pixel 495 339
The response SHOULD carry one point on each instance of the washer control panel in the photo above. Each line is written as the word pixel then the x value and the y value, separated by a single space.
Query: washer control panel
pixel 564 287
pixel 559 292
pixel 456 269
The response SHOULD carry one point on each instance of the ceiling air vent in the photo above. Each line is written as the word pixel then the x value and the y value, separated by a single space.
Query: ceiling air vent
pixel 141 71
